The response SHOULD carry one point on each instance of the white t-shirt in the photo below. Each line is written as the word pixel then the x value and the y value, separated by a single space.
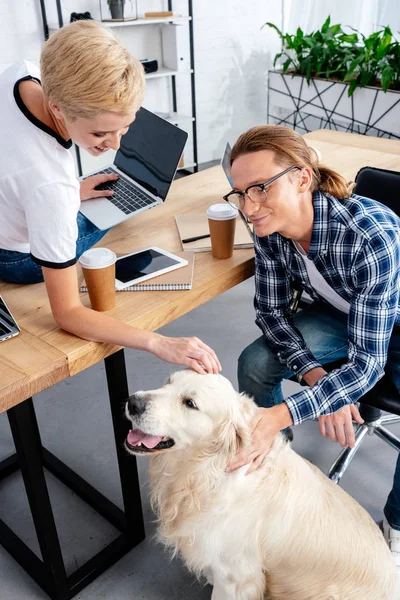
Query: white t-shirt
pixel 320 285
pixel 39 191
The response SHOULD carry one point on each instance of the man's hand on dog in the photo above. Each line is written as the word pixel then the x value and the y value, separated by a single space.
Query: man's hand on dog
pixel 191 352
pixel 339 425
pixel 265 425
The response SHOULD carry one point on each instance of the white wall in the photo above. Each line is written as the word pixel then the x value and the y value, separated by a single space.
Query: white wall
pixel 21 31
pixel 232 59
pixel 365 15
pixel 232 53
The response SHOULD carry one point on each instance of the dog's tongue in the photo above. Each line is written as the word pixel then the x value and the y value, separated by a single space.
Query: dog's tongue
pixel 136 436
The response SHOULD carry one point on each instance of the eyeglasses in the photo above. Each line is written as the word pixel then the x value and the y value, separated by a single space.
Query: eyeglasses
pixel 255 192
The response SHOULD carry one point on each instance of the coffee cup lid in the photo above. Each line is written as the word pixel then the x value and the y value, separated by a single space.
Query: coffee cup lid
pixel 317 152
pixel 96 258
pixel 222 212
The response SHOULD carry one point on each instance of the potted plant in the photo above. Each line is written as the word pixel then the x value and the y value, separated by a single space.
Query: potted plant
pixel 322 74
pixel 116 9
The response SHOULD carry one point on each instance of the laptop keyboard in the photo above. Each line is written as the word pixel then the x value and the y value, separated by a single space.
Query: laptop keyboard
pixel 127 197
pixel 3 330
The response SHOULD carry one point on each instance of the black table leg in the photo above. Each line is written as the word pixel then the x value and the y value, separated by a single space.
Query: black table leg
pixel 32 458
pixel 28 445
pixel 118 392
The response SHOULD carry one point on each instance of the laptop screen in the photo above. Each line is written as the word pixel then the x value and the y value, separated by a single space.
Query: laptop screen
pixel 226 162
pixel 150 152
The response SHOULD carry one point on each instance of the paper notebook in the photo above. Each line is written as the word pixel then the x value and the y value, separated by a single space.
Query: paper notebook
pixel 191 225
pixel 179 279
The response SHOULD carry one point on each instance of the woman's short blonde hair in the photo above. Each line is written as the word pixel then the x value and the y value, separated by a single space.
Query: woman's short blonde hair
pixel 85 70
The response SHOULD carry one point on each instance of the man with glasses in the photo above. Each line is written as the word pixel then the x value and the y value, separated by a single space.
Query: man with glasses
pixel 344 251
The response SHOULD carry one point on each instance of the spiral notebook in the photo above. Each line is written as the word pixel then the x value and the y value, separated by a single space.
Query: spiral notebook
pixel 179 279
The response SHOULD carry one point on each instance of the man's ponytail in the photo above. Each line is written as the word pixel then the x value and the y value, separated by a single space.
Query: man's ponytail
pixel 330 182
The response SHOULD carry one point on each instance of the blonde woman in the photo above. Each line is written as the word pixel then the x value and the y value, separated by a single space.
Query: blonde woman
pixel 345 252
pixel 88 91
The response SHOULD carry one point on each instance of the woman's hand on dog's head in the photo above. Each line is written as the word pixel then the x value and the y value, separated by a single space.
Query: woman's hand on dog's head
pixel 191 352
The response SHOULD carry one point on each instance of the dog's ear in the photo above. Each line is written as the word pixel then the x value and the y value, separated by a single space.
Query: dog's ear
pixel 234 438
pixel 234 435
pixel 247 407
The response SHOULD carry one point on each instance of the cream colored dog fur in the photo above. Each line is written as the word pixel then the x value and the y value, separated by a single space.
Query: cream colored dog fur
pixel 285 532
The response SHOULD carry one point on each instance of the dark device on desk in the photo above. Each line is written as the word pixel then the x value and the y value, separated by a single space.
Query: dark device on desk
pixel 146 163
pixel 8 325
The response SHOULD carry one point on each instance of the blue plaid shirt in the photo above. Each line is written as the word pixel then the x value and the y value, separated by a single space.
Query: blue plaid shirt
pixel 355 246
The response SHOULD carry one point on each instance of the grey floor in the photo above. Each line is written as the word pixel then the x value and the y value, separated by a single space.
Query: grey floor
pixel 75 424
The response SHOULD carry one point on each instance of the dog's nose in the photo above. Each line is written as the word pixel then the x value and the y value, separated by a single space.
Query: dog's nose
pixel 136 405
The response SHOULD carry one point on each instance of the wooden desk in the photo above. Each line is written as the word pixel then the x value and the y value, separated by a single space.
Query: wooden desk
pixel 366 142
pixel 345 152
pixel 43 354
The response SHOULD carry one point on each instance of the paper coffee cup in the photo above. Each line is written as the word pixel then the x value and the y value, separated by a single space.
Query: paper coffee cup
pixel 222 224
pixel 317 152
pixel 98 266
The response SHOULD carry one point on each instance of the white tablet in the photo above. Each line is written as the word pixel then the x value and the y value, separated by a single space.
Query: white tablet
pixel 145 264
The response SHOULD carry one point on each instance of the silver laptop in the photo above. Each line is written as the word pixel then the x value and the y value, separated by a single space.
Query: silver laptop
pixel 146 163
pixel 226 162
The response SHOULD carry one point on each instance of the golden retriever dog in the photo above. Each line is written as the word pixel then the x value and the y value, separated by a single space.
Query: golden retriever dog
pixel 284 532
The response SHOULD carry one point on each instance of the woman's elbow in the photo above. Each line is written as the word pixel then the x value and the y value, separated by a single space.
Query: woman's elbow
pixel 66 319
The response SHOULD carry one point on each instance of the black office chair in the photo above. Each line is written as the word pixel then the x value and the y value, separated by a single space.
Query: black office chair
pixel 384 186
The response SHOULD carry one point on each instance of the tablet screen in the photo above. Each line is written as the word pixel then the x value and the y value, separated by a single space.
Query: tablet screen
pixel 143 263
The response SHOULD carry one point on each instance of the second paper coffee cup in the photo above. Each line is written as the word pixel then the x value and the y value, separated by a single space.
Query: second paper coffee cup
pixel 98 266
pixel 222 224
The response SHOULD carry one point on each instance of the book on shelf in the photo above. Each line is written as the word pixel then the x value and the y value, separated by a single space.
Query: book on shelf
pixel 179 279
pixel 193 225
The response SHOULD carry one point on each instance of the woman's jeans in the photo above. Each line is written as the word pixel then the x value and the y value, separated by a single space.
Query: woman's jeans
pixel 18 267
pixel 324 329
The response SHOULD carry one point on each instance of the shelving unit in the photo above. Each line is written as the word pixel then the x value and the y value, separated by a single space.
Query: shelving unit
pixel 165 72
pixel 173 116
pixel 147 21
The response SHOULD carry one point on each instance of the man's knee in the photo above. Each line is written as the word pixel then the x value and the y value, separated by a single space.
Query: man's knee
pixel 255 361
pixel 245 362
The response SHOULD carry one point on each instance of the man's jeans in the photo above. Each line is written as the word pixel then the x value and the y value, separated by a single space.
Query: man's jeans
pixel 18 267
pixel 324 330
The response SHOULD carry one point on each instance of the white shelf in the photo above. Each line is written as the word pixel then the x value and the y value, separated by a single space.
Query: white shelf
pixel 174 117
pixel 53 27
pixel 146 21
pixel 188 165
pixel 164 72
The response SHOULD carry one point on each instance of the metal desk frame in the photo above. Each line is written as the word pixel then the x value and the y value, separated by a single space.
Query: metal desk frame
pixel 32 458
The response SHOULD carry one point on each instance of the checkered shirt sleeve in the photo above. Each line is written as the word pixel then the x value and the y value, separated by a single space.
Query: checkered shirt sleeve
pixel 374 287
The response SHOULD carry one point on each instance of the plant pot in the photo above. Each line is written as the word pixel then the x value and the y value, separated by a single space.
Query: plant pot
pixel 325 104
pixel 117 9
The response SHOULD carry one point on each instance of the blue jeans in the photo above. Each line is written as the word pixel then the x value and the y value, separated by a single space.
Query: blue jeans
pixel 18 267
pixel 325 332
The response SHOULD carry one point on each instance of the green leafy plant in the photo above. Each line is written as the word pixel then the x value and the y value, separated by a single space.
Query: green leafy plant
pixel 332 53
